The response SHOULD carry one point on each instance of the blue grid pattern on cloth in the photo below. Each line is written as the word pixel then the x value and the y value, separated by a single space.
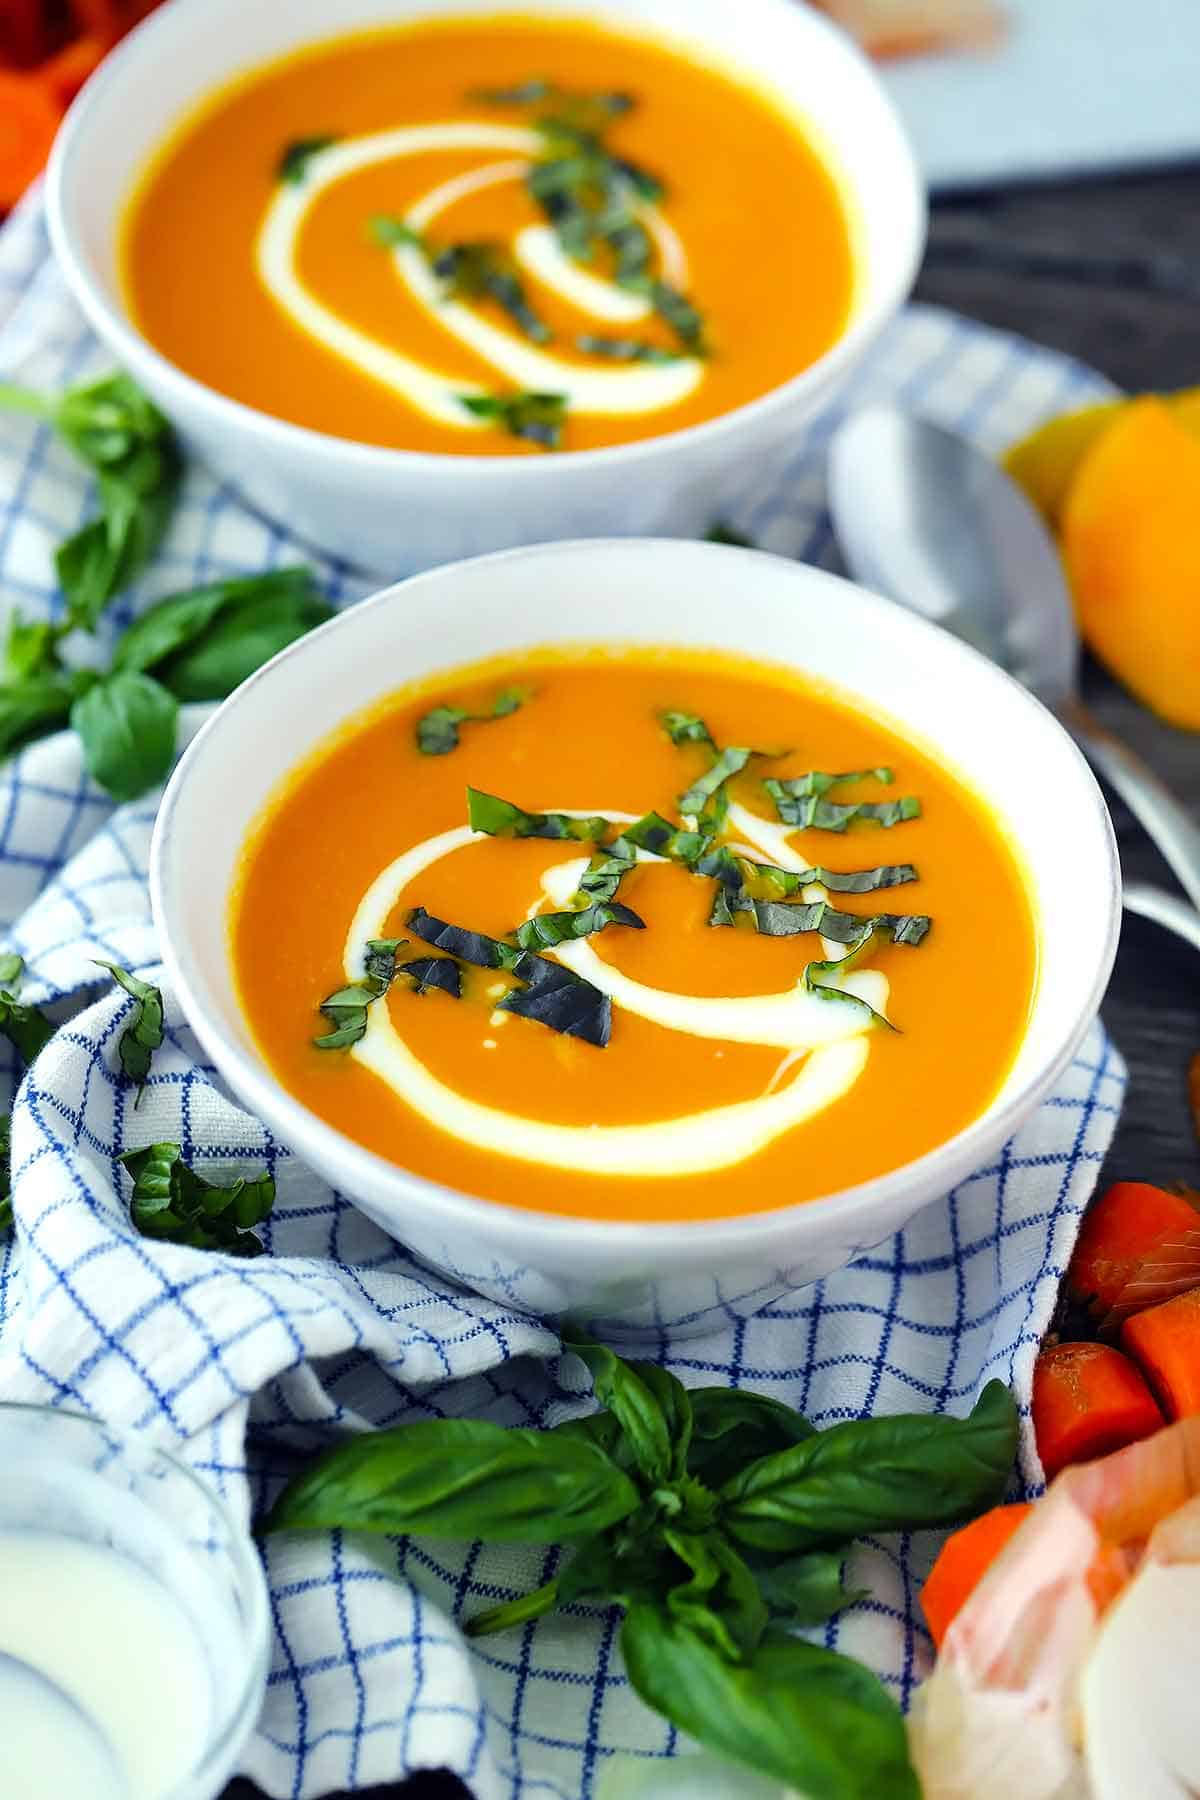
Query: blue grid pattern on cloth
pixel 240 1365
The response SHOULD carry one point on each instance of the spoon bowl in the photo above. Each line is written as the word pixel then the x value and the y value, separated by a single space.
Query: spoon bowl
pixel 929 519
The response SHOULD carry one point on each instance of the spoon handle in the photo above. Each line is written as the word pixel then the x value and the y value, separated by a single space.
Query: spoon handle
pixel 1164 909
pixel 1148 798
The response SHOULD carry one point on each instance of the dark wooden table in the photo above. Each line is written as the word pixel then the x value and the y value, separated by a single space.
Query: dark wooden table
pixel 1109 271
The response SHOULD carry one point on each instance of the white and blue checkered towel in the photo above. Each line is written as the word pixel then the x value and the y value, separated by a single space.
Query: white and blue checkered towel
pixel 235 1364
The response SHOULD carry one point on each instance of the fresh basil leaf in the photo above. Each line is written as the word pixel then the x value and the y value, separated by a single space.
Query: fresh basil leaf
pixel 500 818
pixel 459 1478
pixel 26 1028
pixel 720 1602
pixel 32 709
pixel 884 1474
pixel 514 1612
pixel 144 1033
pixel 127 726
pixel 107 422
pixel 182 621
pixel 603 1430
pixel 296 156
pixel 806 1717
pixel 806 1590
pixel 536 417
pixel 721 533
pixel 800 801
pixel 606 871
pixel 676 1408
pixel 632 1402
pixel 437 731
pixel 733 1427
pixel 30 649
pixel 171 1201
pixel 434 974
pixel 136 500
pixel 545 930
pixel 247 632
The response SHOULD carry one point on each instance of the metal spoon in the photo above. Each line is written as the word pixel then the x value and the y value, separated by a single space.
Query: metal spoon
pixel 930 520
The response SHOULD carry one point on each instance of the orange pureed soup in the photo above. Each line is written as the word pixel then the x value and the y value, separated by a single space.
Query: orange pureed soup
pixel 489 235
pixel 654 981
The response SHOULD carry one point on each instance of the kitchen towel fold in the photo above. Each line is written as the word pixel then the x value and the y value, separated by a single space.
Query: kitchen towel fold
pixel 240 1365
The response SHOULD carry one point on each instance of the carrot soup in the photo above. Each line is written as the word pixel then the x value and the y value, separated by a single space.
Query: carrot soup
pixel 490 236
pixel 631 934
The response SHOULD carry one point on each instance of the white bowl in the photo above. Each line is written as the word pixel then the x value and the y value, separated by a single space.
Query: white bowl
pixel 629 1277
pixel 392 511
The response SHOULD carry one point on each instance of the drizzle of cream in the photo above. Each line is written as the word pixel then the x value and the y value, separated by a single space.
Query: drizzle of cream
pixel 610 392
pixel 834 1047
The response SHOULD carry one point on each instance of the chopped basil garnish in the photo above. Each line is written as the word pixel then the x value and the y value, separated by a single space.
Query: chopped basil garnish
pixel 429 972
pixel 711 787
pixel 801 801
pixel 474 269
pixel 782 918
pixel 171 1201
pixel 685 728
pixel 537 417
pixel 346 1007
pixel 721 533
pixel 607 869
pixel 545 930
pixel 821 978
pixel 25 1026
pixel 296 156
pixel 661 838
pixel 634 350
pixel 437 731
pixel 600 105
pixel 551 995
pixel 500 818
pixel 673 308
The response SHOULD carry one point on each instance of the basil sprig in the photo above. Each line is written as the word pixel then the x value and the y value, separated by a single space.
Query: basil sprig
pixel 438 730
pixel 203 643
pixel 801 801
pixel 706 1515
pixel 171 1201
pixel 144 1033
pixel 130 448
pixel 547 993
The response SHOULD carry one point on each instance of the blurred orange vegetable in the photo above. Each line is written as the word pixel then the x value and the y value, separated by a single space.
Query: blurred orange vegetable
pixel 1132 550
pixel 1088 1400
pixel 28 121
pixel 1166 1342
pixel 965 1557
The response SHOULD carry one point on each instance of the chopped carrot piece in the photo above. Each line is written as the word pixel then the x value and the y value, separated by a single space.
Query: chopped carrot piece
pixel 1166 1343
pixel 1136 1241
pixel 28 122
pixel 63 75
pixel 965 1558
pixel 1088 1399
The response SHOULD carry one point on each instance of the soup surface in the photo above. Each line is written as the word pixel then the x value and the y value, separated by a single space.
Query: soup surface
pixel 488 236
pixel 665 999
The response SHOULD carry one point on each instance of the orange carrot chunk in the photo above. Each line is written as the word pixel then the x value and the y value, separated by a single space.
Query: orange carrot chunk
pixel 1166 1343
pixel 1088 1399
pixel 1123 1232
pixel 965 1558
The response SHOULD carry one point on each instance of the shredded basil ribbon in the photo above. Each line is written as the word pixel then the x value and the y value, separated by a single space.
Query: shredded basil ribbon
pixel 438 731
pixel 801 801
pixel 346 1008
pixel 550 995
